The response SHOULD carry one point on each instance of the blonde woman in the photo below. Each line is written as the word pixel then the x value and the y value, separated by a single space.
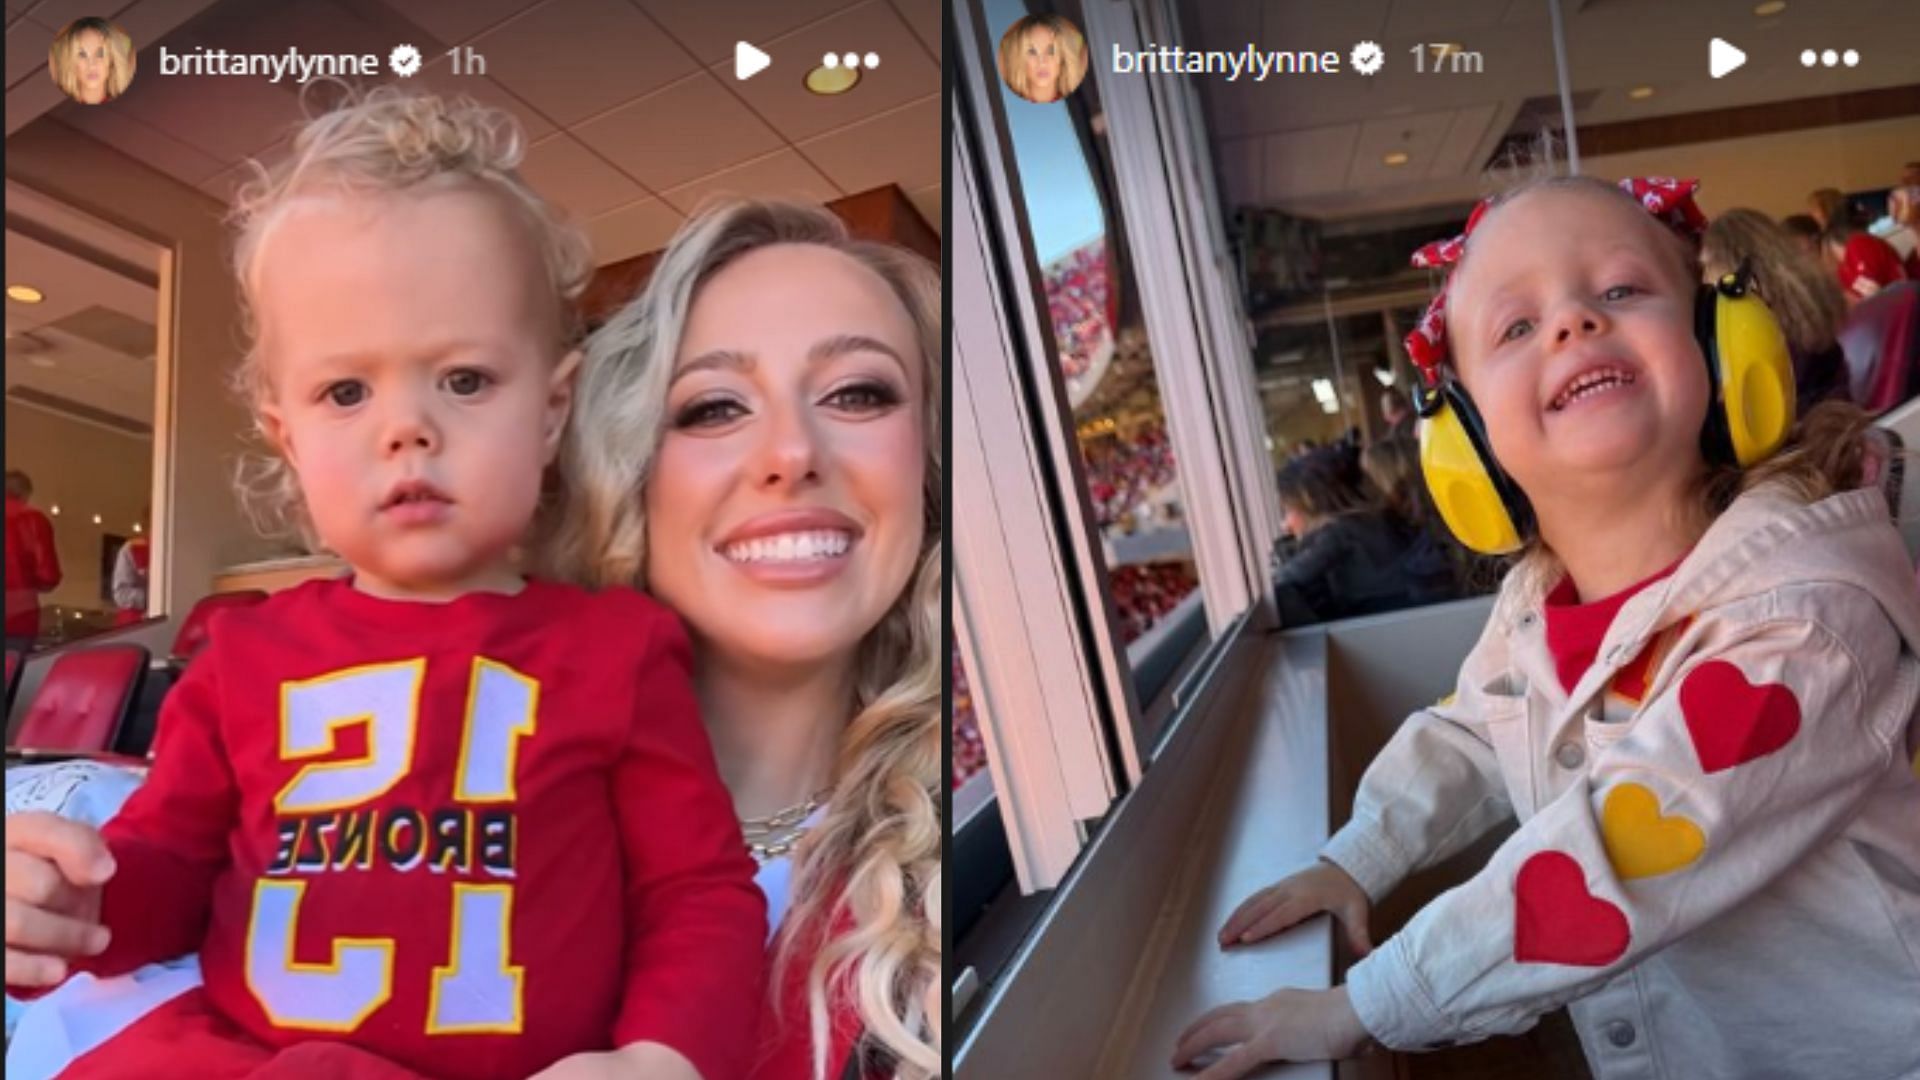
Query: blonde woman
pixel 1801 292
pixel 91 61
pixel 756 442
pixel 1043 58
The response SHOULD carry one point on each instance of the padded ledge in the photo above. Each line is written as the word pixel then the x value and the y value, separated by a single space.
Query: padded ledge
pixel 1126 957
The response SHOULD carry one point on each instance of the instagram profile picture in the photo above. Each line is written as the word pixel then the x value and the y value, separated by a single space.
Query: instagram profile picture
pixel 1043 58
pixel 91 61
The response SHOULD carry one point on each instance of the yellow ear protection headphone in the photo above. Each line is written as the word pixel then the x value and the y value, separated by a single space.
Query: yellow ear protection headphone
pixel 1750 411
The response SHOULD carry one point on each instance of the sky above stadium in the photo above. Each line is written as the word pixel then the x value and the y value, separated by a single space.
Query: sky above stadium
pixel 1063 209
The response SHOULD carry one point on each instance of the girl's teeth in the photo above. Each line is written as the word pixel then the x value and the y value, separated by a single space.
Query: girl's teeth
pixel 791 547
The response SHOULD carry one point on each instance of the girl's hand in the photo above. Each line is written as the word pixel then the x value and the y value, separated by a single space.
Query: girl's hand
pixel 635 1061
pixel 1321 887
pixel 1287 1025
pixel 55 868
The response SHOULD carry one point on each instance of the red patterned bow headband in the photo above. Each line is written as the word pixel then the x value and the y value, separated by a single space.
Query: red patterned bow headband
pixel 1669 200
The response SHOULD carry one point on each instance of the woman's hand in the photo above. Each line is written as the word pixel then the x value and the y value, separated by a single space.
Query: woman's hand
pixel 1321 887
pixel 55 868
pixel 635 1061
pixel 1287 1025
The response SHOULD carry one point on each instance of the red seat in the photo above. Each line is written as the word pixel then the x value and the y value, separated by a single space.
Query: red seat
pixel 84 699
pixel 16 662
pixel 193 629
pixel 1881 339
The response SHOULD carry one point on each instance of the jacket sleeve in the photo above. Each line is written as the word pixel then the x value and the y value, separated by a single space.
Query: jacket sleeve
pixel 1316 554
pixel 1760 749
pixel 1436 786
pixel 44 556
pixel 696 947
pixel 170 840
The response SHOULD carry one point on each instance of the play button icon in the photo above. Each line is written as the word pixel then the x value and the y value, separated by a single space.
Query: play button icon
pixel 1723 57
pixel 748 61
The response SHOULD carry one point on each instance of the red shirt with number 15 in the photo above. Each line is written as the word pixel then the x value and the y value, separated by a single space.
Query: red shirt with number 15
pixel 471 837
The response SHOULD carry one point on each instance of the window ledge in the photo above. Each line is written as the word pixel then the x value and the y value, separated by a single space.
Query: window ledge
pixel 1127 957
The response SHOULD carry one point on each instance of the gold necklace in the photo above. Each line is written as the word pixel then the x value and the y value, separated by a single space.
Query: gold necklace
pixel 776 834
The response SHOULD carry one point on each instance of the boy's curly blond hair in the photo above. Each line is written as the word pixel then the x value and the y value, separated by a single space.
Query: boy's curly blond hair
pixel 385 141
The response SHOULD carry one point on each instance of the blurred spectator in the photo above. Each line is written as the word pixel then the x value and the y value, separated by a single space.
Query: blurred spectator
pixel 1125 473
pixel 1347 556
pixel 1903 227
pixel 969 752
pixel 1830 207
pixel 1806 234
pixel 1144 593
pixel 130 578
pixel 1866 264
pixel 1910 174
pixel 1397 413
pixel 1801 292
pixel 1437 567
pixel 1079 305
pixel 33 564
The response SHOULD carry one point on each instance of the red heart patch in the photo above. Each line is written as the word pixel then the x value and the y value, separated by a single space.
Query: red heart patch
pixel 1732 721
pixel 1557 921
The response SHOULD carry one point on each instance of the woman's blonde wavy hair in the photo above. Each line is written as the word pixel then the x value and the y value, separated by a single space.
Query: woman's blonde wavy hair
pixel 1803 295
pixel 1073 53
pixel 874 860
pixel 120 57
pixel 383 142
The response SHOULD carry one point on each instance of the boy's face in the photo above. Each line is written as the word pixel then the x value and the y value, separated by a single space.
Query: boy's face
pixel 1573 331
pixel 410 353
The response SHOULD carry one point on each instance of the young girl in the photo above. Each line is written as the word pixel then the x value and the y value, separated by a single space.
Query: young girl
pixel 433 816
pixel 1697 692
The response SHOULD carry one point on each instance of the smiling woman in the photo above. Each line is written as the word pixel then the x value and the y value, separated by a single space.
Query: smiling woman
pixel 757 443
pixel 1043 58
pixel 91 61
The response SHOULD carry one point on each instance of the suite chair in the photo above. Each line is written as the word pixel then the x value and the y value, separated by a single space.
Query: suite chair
pixel 192 636
pixel 16 663
pixel 81 704
pixel 1881 339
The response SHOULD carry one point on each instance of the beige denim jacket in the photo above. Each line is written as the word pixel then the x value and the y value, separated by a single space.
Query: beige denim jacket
pixel 1722 877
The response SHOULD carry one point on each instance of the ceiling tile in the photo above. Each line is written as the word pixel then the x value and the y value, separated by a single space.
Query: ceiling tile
pixel 1459 153
pixel 570 175
pixel 438 77
pixel 900 147
pixel 27 45
pixel 221 185
pixel 710 30
pixel 905 73
pixel 574 58
pixel 782 175
pixel 1240 161
pixel 58 13
pixel 632 230
pixel 1307 162
pixel 923 16
pixel 454 21
pixel 689 130
pixel 137 140
pixel 150 21
pixel 222 116
pixel 1418 136
pixel 927 200
pixel 315 27
pixel 1445 22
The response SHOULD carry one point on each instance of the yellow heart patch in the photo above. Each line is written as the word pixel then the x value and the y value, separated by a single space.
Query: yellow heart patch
pixel 1640 841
